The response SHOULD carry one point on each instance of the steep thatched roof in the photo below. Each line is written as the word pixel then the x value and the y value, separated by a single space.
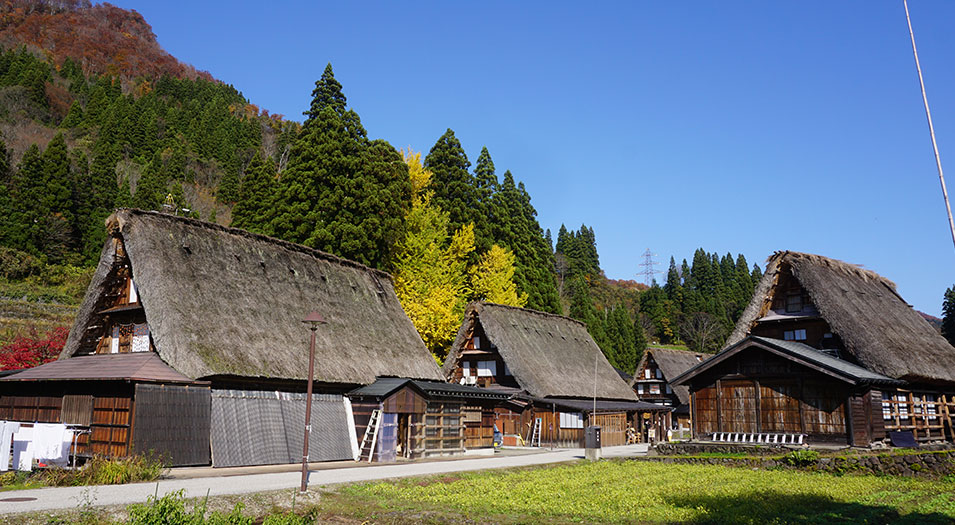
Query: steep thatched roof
pixel 878 328
pixel 672 363
pixel 224 302
pixel 548 355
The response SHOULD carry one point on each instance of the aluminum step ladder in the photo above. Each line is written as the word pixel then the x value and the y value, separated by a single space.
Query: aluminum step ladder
pixel 371 436
pixel 535 434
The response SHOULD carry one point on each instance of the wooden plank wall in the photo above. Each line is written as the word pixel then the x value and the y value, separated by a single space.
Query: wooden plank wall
pixel 108 418
pixel 770 405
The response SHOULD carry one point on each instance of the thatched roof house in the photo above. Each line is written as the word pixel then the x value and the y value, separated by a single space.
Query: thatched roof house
pixel 222 302
pixel 671 363
pixel 863 310
pixel 547 355
pixel 190 342
pixel 830 352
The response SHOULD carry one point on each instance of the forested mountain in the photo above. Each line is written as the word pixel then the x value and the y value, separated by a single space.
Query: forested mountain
pixel 95 115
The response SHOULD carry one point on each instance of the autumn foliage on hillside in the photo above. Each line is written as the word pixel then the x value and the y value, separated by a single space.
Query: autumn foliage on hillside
pixel 33 350
pixel 101 38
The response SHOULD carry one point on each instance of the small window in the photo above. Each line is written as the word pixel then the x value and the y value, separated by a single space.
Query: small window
pixel 571 420
pixel 659 374
pixel 640 388
pixel 794 335
pixel 655 388
pixel 477 343
pixel 133 295
pixel 794 303
pixel 507 371
pixel 465 369
pixel 646 373
pixel 669 390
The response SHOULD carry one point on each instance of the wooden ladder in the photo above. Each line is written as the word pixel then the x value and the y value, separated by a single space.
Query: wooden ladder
pixel 535 434
pixel 371 436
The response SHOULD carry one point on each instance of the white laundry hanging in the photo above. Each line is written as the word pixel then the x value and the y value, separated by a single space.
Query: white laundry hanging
pixel 23 449
pixel 7 430
pixel 51 442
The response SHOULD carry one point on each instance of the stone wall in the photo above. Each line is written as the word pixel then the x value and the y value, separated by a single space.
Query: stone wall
pixel 922 464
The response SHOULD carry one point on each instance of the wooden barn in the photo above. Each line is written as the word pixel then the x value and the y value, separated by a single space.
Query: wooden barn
pixel 830 352
pixel 651 382
pixel 551 367
pixel 191 339
pixel 407 418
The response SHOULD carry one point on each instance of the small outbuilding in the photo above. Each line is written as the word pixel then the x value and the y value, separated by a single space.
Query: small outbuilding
pixel 407 418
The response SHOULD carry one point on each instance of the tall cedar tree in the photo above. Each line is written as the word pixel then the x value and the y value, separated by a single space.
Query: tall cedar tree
pixel 456 191
pixel 256 194
pixel 948 315
pixel 516 228
pixel 342 192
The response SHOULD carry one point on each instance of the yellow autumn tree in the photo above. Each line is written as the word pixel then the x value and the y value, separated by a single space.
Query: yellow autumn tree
pixel 492 278
pixel 430 270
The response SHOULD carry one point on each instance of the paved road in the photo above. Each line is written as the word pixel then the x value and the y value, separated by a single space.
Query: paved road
pixel 68 497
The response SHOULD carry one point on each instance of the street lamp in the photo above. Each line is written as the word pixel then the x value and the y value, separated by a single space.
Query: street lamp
pixel 312 320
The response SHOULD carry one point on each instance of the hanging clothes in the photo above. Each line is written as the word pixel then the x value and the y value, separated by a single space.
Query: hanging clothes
pixel 23 449
pixel 48 443
pixel 7 430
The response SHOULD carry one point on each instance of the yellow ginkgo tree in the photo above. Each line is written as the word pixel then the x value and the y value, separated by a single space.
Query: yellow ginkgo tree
pixel 432 278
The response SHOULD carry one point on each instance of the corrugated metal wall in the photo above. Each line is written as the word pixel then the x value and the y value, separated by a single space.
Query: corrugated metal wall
pixel 173 421
pixel 262 428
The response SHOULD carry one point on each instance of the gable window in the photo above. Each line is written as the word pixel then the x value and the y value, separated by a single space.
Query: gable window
pixel 486 369
pixel 669 390
pixel 646 373
pixel 794 335
pixel 507 371
pixel 639 388
pixel 655 388
pixel 794 303
pixel 659 374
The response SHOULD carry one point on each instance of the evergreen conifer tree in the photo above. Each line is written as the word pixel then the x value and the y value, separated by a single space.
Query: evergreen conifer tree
pixel 948 315
pixel 341 192
pixel 256 195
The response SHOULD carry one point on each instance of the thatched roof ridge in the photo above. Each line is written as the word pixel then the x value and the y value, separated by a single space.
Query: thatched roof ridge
pixel 115 222
pixel 549 355
pixel 224 302
pixel 672 363
pixel 878 328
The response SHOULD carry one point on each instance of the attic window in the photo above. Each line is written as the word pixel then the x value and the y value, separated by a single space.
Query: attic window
pixel 794 303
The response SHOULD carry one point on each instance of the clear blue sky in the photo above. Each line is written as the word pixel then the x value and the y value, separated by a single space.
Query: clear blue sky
pixel 745 127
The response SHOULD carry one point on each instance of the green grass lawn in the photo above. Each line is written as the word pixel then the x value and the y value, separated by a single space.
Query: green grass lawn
pixel 635 491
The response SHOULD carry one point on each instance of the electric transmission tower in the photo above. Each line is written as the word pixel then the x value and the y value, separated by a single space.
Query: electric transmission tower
pixel 648 267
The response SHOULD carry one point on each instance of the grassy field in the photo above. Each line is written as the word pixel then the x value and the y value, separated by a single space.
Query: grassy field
pixel 603 492
pixel 631 491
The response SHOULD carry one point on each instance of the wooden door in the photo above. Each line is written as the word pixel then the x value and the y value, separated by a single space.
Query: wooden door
pixel 737 406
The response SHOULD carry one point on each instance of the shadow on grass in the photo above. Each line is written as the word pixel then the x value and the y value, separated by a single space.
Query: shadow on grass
pixel 788 508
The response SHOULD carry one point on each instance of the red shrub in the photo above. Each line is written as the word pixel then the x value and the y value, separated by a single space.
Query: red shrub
pixel 33 350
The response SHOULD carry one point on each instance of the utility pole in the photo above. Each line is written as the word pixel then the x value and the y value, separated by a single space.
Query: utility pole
pixel 931 129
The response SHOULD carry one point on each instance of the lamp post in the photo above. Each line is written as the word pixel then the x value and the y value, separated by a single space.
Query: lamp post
pixel 312 320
